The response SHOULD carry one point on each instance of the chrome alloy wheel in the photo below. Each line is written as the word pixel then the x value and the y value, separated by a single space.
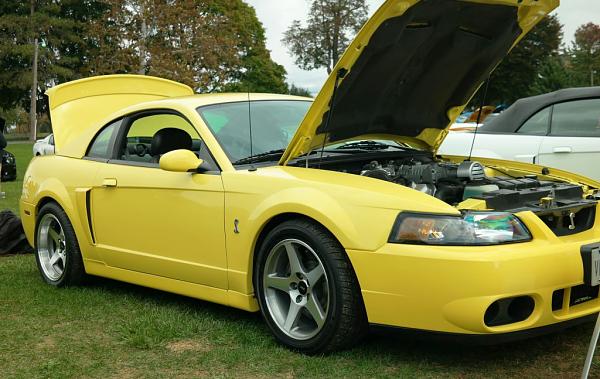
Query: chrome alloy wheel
pixel 52 247
pixel 296 289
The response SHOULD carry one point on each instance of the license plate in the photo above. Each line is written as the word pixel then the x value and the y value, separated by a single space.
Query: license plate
pixel 590 255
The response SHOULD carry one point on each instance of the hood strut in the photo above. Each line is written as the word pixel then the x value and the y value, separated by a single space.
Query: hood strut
pixel 339 76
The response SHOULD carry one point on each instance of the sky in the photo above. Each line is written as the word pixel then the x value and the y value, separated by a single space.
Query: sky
pixel 277 15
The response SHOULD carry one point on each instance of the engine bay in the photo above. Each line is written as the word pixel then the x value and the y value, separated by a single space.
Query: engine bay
pixel 454 183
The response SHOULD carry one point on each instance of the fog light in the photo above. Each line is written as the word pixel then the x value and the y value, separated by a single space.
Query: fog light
pixel 509 311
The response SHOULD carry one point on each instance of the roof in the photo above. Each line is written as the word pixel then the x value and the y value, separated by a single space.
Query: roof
pixel 511 120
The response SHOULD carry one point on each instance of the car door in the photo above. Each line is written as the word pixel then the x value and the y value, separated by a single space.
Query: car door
pixel 523 145
pixel 157 222
pixel 574 140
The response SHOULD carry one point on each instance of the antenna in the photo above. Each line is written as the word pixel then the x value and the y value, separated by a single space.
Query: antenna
pixel 483 100
pixel 340 75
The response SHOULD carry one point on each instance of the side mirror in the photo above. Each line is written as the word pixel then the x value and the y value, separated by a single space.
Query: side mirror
pixel 180 161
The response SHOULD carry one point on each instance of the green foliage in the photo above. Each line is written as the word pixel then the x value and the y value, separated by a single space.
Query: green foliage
pixel 585 55
pixel 515 76
pixel 298 91
pixel 211 45
pixel 552 76
pixel 60 27
pixel 330 28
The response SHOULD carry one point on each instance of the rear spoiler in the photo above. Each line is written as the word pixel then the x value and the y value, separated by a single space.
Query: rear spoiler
pixel 79 109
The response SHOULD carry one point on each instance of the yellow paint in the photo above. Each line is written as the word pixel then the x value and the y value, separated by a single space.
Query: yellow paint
pixel 530 13
pixel 179 161
pixel 174 231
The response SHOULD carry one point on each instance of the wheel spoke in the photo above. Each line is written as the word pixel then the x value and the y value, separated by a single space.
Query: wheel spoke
pixel 294 259
pixel 55 258
pixel 316 312
pixel 54 235
pixel 292 316
pixel 278 283
pixel 315 275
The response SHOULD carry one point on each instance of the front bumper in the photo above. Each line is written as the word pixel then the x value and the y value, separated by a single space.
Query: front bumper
pixel 449 289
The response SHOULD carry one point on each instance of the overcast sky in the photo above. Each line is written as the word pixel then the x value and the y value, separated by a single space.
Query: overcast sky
pixel 277 15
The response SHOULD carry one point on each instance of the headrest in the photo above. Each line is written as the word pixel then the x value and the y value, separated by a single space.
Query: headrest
pixel 170 139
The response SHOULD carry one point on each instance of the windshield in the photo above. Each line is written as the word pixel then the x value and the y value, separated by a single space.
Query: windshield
pixel 274 123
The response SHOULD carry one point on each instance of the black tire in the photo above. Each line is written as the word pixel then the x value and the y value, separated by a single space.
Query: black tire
pixel 73 268
pixel 346 322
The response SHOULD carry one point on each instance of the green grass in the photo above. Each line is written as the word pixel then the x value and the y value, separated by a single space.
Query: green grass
pixel 107 329
pixel 23 153
pixel 110 329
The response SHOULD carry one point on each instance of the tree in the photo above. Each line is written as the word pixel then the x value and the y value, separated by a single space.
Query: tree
pixel 585 55
pixel 514 77
pixel 210 45
pixel 298 91
pixel 331 25
pixel 49 29
pixel 552 76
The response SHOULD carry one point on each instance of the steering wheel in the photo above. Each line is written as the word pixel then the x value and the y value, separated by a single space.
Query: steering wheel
pixel 141 150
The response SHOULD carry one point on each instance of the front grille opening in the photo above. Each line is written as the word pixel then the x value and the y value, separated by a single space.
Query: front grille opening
pixel 561 224
pixel 582 294
pixel 557 300
pixel 509 311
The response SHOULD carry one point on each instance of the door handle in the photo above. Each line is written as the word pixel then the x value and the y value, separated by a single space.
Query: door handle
pixel 109 182
pixel 563 150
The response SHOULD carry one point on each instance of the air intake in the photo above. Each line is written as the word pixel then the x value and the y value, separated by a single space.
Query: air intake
pixel 471 170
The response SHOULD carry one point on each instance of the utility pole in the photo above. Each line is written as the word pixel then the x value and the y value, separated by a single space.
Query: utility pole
pixel 34 82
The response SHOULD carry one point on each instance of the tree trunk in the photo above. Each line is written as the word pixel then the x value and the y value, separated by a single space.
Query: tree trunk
pixel 144 33
pixel 34 84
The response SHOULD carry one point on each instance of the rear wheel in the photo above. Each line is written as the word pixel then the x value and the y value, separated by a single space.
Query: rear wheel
pixel 56 248
pixel 307 290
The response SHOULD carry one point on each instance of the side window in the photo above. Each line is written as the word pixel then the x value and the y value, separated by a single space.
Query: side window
pixel 101 146
pixel 150 137
pixel 577 119
pixel 538 124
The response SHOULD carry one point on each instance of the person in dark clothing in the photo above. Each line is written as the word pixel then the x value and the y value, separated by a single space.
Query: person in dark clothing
pixel 2 139
pixel 3 145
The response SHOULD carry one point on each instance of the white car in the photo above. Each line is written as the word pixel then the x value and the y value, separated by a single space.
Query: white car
pixel 558 130
pixel 44 146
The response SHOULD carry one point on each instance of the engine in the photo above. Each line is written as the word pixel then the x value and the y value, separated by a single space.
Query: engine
pixel 445 181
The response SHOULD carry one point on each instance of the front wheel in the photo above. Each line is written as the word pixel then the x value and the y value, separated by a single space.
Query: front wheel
pixel 307 290
pixel 56 248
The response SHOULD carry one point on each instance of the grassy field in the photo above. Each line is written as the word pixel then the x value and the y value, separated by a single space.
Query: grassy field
pixel 107 329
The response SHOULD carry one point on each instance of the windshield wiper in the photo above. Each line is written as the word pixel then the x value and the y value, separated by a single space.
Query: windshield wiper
pixel 262 157
pixel 368 145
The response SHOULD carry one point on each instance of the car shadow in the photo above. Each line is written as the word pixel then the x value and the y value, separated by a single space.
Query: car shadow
pixel 396 344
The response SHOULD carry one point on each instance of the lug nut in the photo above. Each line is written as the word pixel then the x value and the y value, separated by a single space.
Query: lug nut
pixel 294 286
pixel 298 299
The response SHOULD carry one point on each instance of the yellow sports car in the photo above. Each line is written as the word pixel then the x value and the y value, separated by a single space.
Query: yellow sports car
pixel 356 222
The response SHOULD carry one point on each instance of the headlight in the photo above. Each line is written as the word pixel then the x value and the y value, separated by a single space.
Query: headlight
pixel 472 228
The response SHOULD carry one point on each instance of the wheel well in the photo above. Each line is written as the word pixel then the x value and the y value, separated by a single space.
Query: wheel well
pixel 272 223
pixel 43 202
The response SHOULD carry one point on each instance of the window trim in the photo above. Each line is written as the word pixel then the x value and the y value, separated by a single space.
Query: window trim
pixel 550 133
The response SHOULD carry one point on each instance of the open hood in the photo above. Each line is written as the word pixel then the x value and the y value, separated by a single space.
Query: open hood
pixel 79 109
pixel 413 68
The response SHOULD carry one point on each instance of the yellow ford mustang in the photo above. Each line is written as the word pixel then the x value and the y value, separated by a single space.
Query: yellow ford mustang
pixel 356 222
